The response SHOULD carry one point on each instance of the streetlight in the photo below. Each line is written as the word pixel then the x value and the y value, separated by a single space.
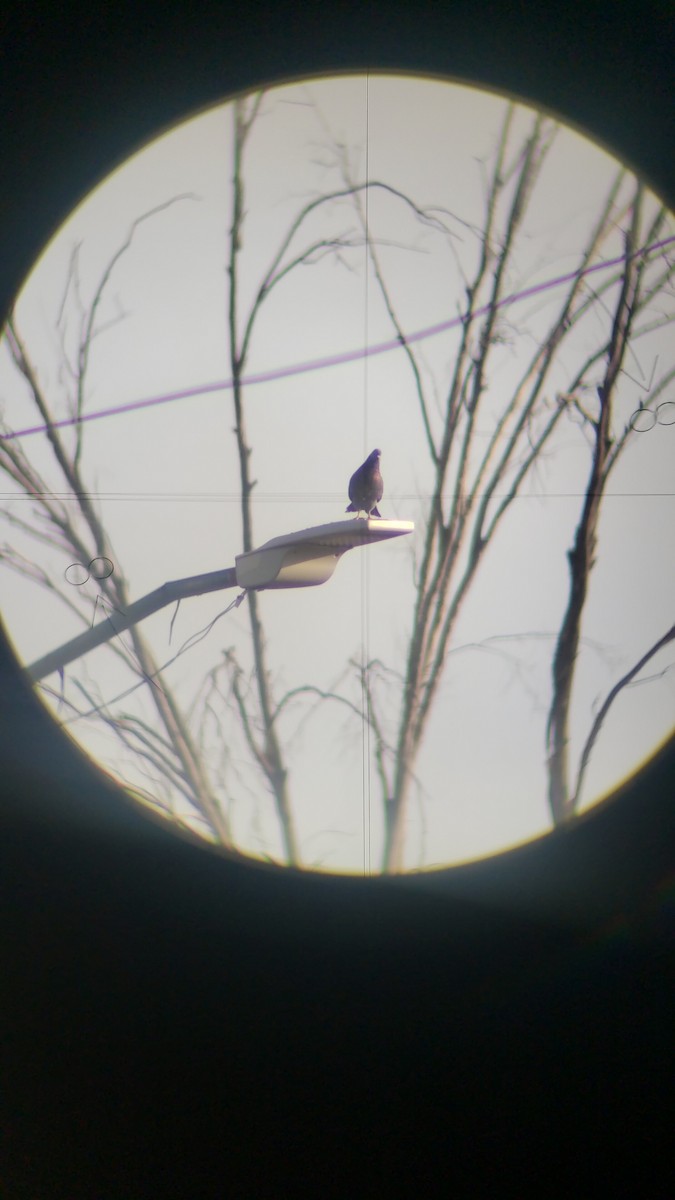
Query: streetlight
pixel 302 559
pixel 310 556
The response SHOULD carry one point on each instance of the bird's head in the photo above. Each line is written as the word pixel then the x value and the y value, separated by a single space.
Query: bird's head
pixel 374 456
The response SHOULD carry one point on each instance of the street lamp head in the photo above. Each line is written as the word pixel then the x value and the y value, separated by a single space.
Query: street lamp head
pixel 309 556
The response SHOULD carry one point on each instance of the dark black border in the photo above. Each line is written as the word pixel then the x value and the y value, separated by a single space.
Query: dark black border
pixel 176 1019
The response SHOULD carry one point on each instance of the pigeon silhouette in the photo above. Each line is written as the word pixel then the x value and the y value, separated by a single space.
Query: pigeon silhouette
pixel 366 487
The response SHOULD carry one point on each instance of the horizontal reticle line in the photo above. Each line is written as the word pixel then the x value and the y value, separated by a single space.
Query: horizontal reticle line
pixel 334 360
pixel 305 497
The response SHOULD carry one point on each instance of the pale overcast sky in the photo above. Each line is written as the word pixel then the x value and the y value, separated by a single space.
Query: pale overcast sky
pixel 165 478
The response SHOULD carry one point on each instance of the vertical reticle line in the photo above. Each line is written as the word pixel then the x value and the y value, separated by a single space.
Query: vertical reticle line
pixel 365 558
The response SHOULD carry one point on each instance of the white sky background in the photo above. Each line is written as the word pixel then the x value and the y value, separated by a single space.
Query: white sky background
pixel 166 478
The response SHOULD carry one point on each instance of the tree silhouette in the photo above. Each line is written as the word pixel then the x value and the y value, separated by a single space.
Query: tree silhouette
pixel 484 443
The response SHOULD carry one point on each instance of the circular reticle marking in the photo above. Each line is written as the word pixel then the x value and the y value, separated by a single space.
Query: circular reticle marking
pixel 99 568
pixel 76 574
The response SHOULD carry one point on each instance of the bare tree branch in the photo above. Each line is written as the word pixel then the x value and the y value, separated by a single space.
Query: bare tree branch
pixel 483 442
pixel 582 555
pixel 607 704
pixel 271 756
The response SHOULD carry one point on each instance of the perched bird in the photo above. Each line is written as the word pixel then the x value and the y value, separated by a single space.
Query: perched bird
pixel 366 487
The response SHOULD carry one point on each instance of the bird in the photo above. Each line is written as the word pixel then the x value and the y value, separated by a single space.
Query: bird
pixel 366 487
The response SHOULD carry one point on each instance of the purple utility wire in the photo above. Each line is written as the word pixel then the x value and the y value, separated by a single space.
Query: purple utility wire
pixel 333 360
